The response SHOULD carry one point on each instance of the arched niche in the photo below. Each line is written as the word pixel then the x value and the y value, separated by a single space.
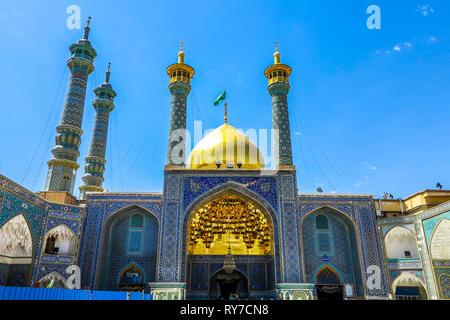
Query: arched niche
pixel 222 284
pixel 238 190
pixel 327 275
pixel 408 287
pixel 401 243
pixel 53 280
pixel 262 266
pixel 440 241
pixel 129 237
pixel 15 238
pixel 232 223
pixel 131 278
pixel 330 235
pixel 60 240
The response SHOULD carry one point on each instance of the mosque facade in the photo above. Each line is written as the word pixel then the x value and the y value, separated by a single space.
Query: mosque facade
pixel 223 223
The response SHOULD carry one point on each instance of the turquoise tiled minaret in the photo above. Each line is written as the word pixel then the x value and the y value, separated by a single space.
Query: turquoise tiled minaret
pixel 278 76
pixel 95 161
pixel 180 85
pixel 63 166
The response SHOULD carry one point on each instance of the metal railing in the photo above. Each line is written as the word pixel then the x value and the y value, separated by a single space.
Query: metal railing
pixel 30 293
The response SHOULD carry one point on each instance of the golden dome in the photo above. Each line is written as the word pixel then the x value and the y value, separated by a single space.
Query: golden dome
pixel 226 145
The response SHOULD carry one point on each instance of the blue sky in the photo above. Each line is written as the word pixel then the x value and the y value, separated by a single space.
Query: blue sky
pixel 369 108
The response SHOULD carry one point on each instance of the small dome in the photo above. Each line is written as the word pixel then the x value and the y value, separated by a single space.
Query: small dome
pixel 226 145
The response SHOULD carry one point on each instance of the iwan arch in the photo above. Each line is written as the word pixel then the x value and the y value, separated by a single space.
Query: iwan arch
pixel 223 224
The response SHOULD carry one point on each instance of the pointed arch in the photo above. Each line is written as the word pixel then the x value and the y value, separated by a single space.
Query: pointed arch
pixel 444 286
pixel 60 240
pixel 345 217
pixel 439 240
pixel 16 239
pixel 400 243
pixel 54 278
pixel 341 238
pixel 407 279
pixel 108 268
pixel 214 285
pixel 238 190
pixel 130 266
pixel 127 209
pixel 327 271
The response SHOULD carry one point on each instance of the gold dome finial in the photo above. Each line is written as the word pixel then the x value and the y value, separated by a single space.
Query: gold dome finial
pixel 181 54
pixel 276 55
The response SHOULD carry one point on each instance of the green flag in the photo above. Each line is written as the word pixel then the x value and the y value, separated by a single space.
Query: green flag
pixel 51 283
pixel 222 96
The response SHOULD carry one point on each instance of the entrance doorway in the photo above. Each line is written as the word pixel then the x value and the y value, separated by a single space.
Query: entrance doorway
pixel 407 293
pixel 328 285
pixel 131 279
pixel 223 285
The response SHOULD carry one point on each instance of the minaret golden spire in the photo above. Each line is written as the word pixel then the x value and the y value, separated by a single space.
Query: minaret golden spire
pixel 181 55
pixel 276 55
pixel 86 29
pixel 108 73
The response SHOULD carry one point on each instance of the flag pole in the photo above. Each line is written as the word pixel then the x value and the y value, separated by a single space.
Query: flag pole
pixel 226 113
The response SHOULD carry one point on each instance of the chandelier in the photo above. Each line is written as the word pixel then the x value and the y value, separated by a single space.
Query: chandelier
pixel 230 215
pixel 229 265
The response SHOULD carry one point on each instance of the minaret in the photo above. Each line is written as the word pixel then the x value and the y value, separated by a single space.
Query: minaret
pixel 278 76
pixel 180 78
pixel 95 161
pixel 63 166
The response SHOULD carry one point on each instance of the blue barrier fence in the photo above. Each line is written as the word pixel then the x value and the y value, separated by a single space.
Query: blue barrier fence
pixel 29 293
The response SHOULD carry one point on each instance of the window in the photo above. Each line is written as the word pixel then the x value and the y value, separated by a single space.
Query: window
pixel 135 233
pixel 137 221
pixel 322 222
pixel 324 243
pixel 66 183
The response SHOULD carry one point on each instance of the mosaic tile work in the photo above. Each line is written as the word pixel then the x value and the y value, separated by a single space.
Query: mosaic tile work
pixel 177 131
pixel 257 269
pixel 359 210
pixel 99 208
pixel 341 258
pixel 116 254
pixel 241 190
pixel 70 216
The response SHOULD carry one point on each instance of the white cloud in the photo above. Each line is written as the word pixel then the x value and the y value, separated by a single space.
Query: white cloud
pixel 369 166
pixel 397 48
pixel 433 39
pixel 425 10
pixel 359 184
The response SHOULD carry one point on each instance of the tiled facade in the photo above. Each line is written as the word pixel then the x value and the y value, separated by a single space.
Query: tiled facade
pixel 349 240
